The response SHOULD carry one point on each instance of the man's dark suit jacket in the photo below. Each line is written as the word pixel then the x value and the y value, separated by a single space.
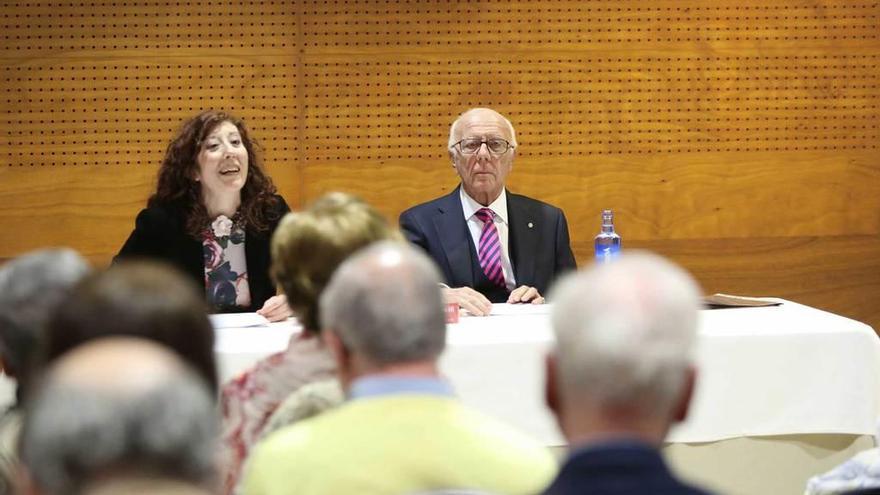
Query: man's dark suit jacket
pixel 618 468
pixel 160 234
pixel 538 242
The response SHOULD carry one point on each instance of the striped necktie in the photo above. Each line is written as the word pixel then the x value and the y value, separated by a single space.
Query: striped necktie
pixel 489 250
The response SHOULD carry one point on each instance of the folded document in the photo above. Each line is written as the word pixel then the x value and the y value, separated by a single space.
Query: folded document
pixel 716 301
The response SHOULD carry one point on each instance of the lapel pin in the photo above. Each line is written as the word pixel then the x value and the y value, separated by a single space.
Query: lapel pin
pixel 531 225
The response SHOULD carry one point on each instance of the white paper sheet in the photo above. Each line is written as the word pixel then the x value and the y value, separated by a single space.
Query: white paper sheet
pixel 504 309
pixel 238 320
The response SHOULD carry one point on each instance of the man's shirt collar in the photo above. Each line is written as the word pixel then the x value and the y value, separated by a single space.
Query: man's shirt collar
pixel 470 206
pixel 378 385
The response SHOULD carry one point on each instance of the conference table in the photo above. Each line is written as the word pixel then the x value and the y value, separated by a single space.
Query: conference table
pixel 777 370
pixel 762 371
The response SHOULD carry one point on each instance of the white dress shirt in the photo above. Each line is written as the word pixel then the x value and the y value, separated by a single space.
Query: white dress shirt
pixel 499 206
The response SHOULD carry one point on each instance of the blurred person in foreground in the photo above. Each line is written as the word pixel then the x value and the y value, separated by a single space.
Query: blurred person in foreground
pixel 212 216
pixel 401 429
pixel 139 299
pixel 859 475
pixel 31 286
pixel 492 246
pixel 622 373
pixel 307 248
pixel 120 415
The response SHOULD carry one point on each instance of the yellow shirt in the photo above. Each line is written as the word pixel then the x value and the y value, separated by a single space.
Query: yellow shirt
pixel 398 444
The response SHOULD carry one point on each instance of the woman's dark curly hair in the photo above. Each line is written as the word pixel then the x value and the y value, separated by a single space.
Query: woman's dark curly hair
pixel 177 182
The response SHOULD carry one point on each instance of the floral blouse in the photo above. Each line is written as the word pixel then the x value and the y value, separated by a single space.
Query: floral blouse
pixel 226 280
pixel 249 400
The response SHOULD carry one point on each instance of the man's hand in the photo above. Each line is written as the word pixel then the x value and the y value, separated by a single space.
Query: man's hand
pixel 469 299
pixel 525 294
pixel 275 308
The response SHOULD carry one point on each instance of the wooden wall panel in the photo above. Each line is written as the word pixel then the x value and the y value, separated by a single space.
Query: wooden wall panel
pixel 837 273
pixel 740 138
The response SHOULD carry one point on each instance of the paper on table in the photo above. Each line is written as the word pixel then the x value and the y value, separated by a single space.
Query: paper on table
pixel 727 301
pixel 519 309
pixel 238 320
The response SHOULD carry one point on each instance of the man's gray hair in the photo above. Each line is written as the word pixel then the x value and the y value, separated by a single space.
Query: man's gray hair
pixel 453 129
pixel 31 286
pixel 625 333
pixel 74 433
pixel 385 304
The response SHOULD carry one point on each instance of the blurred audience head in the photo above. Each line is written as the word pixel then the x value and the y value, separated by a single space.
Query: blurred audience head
pixel 139 299
pixel 179 181
pixel 31 286
pixel 623 355
pixel 308 246
pixel 384 307
pixel 120 415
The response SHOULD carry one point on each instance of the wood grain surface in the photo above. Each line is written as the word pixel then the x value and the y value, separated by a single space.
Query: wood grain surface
pixel 738 138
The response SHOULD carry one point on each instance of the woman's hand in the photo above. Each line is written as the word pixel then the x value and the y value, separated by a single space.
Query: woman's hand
pixel 275 309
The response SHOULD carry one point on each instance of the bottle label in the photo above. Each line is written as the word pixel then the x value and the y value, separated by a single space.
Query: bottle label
pixel 605 254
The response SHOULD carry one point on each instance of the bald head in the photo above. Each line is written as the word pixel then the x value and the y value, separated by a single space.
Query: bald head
pixel 138 365
pixel 482 145
pixel 119 407
pixel 624 335
pixel 480 115
pixel 385 305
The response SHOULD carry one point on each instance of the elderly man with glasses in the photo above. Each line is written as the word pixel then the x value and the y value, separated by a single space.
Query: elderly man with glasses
pixel 490 244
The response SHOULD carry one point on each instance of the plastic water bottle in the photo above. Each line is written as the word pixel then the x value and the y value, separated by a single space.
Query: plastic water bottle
pixel 607 242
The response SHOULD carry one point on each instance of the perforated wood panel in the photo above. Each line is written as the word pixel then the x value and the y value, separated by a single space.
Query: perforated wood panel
pixel 741 138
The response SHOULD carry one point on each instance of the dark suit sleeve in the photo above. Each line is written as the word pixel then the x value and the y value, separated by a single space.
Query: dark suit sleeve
pixel 564 257
pixel 412 230
pixel 418 227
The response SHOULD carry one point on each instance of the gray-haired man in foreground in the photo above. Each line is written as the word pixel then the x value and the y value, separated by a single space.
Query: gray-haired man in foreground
pixel 622 373
pixel 401 431
pixel 120 415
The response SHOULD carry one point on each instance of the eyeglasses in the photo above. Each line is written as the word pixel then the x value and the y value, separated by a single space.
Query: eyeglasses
pixel 496 146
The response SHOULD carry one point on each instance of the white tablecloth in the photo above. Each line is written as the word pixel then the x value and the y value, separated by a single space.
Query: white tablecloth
pixel 781 370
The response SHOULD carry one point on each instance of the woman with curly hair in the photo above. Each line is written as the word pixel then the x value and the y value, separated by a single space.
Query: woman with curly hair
pixel 212 216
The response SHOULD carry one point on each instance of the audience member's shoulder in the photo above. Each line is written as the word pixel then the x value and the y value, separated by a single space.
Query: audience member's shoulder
pixel 493 434
pixel 497 447
pixel 308 401
pixel 10 428
pixel 306 441
pixel 146 485
pixel 698 491
pixel 299 434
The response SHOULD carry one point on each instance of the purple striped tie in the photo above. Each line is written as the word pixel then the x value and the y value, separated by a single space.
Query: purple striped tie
pixel 489 249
